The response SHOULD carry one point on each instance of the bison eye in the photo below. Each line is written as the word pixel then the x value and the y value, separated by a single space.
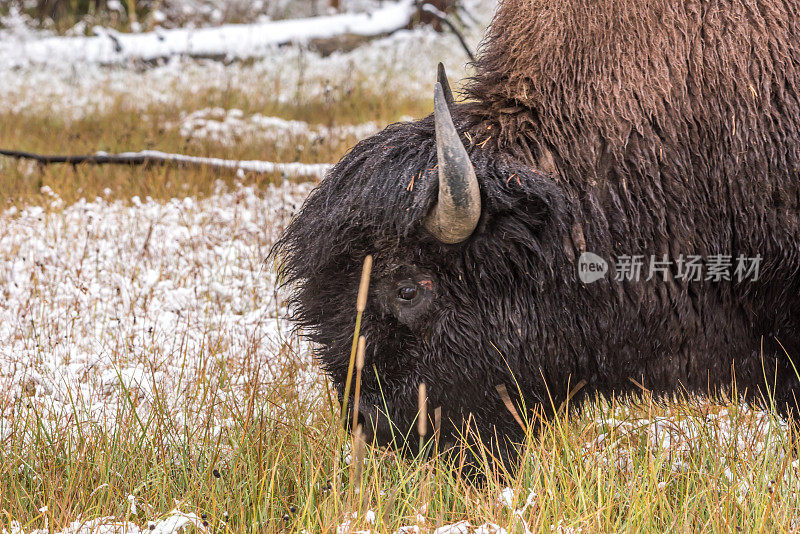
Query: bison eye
pixel 407 293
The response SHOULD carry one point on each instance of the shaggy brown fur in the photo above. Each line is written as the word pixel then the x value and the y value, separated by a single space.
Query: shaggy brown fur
pixel 589 75
pixel 674 123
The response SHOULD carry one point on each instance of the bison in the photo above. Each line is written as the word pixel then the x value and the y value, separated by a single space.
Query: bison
pixel 611 129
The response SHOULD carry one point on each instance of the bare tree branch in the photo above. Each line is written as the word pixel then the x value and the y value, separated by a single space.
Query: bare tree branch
pixel 147 157
pixel 442 17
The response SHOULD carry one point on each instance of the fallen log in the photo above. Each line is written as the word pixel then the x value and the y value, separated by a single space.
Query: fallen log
pixel 229 41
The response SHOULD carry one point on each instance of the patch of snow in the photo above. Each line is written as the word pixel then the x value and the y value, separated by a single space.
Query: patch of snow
pixel 231 126
pixel 747 435
pixel 462 527
pixel 506 497
pixel 104 301
pixel 174 522
pixel 560 528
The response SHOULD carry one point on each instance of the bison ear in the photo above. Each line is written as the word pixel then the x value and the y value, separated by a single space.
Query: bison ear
pixel 441 77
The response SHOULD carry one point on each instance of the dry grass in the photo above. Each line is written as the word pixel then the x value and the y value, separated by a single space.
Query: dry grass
pixel 120 128
pixel 279 468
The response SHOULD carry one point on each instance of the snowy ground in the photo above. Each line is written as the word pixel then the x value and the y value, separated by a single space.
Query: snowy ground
pixel 228 126
pixel 194 13
pixel 105 300
pixel 405 61
pixel 102 297
pixel 75 87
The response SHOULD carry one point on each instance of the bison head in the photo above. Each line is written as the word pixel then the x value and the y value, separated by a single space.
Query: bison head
pixel 468 246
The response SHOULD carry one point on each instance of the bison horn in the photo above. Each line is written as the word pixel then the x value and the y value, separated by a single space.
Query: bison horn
pixel 456 213
pixel 441 77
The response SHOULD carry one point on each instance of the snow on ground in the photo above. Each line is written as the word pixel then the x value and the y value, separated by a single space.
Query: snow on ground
pixel 740 434
pixel 405 62
pixel 102 297
pixel 175 521
pixel 229 126
pixel 189 13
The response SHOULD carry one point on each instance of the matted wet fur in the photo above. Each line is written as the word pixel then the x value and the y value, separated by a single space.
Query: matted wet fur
pixel 617 127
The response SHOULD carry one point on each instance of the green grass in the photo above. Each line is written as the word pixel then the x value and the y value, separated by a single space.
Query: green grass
pixel 279 467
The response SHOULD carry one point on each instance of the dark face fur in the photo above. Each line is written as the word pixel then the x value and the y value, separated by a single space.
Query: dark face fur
pixel 458 317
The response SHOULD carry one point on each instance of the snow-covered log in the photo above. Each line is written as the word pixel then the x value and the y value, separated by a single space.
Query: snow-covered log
pixel 230 41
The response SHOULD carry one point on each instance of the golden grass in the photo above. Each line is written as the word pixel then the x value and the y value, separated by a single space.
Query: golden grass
pixel 282 468
pixel 122 128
